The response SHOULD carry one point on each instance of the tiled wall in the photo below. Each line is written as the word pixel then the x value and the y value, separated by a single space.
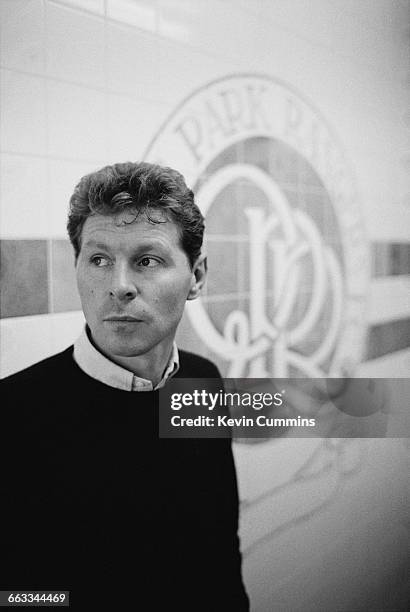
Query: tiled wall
pixel 89 82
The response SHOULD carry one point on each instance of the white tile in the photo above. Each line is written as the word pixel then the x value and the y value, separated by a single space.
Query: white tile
pixel 217 27
pixel 132 62
pixel 385 218
pixel 63 176
pixel 93 6
pixel 23 203
pixel 364 111
pixel 177 20
pixel 389 299
pixel 23 116
pixel 24 341
pixel 383 16
pixel 300 63
pixel 250 6
pixel 393 365
pixel 131 126
pixel 76 122
pixel 65 329
pixel 312 19
pixel 22 34
pixel 383 183
pixel 27 340
pixel 367 31
pixel 139 13
pixel 182 70
pixel 75 46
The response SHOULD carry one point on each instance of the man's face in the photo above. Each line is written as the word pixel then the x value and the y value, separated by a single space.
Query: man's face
pixel 133 278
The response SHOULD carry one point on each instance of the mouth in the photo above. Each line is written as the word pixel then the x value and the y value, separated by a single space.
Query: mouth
pixel 122 319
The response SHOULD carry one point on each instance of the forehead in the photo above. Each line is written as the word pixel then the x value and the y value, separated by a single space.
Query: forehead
pixel 126 228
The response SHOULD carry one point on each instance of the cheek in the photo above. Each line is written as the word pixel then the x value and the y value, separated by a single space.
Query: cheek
pixel 90 295
pixel 171 299
pixel 87 291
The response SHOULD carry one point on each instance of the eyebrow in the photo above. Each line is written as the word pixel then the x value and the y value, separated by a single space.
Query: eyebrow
pixel 142 246
pixel 95 244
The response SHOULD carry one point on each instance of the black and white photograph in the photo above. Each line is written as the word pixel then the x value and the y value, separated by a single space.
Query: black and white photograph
pixel 204 305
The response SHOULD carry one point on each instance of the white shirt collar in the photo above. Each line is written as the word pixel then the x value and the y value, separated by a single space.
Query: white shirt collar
pixel 96 365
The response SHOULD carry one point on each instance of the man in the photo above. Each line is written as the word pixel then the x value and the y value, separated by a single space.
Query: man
pixel 92 500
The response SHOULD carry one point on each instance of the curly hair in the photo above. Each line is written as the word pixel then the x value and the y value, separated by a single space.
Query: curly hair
pixel 137 187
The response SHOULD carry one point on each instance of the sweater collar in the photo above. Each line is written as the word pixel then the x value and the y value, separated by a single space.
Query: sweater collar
pixel 96 365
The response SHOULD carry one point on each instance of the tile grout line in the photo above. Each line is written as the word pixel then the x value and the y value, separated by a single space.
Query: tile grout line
pixel 49 257
pixel 50 289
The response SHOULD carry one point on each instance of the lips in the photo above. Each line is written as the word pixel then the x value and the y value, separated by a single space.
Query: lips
pixel 122 319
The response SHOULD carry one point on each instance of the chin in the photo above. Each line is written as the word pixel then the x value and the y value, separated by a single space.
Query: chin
pixel 119 350
pixel 127 345
pixel 121 344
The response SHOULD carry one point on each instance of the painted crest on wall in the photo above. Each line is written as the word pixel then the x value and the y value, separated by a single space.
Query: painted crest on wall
pixel 287 251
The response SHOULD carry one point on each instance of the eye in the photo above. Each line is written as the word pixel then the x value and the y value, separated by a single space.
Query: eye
pixel 99 261
pixel 148 262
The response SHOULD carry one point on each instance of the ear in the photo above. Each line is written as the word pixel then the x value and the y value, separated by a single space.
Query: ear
pixel 198 279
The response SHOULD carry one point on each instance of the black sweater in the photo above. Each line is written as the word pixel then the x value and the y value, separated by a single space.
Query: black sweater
pixel 92 501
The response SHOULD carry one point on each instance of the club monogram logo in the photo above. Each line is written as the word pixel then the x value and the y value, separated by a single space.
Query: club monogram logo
pixel 284 232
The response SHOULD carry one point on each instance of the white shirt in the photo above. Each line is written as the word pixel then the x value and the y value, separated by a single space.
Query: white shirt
pixel 96 365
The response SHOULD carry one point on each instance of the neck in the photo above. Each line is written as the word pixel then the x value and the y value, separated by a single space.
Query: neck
pixel 150 366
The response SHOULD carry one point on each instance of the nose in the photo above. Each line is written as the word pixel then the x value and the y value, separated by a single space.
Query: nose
pixel 122 286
